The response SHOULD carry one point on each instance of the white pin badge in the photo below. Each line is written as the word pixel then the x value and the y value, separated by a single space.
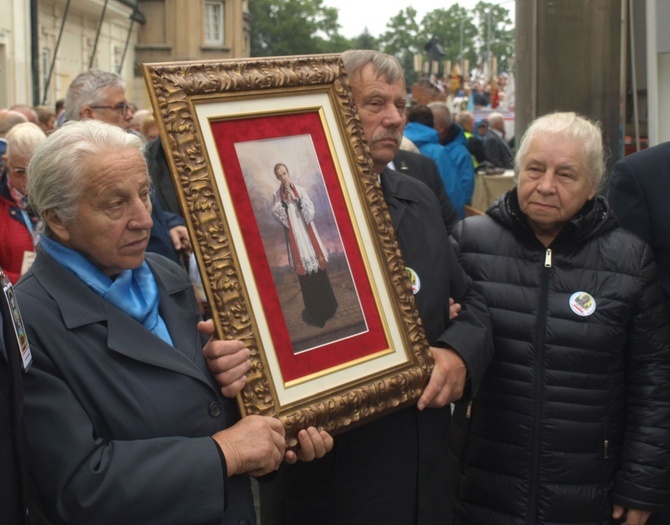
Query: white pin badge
pixel 582 303
pixel 414 280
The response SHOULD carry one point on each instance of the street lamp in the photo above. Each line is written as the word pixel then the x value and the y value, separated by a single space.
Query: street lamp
pixel 489 36
pixel 460 55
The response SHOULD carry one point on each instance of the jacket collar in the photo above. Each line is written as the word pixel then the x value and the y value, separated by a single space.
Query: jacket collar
pixel 397 194
pixel 79 306
pixel 592 220
pixel 453 135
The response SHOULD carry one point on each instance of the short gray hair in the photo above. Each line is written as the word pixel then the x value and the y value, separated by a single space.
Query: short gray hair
pixel 463 117
pixel 440 112
pixel 9 119
pixel 384 66
pixel 87 89
pixel 23 138
pixel 576 127
pixel 56 172
pixel 496 117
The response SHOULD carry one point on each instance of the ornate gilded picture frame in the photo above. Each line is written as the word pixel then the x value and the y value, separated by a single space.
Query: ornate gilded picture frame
pixel 292 236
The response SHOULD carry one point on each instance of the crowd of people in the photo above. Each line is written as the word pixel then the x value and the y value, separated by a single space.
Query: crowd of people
pixel 479 92
pixel 459 145
pixel 547 316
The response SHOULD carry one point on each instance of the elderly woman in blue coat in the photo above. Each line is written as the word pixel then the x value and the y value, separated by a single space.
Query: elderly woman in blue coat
pixel 124 422
pixel 571 423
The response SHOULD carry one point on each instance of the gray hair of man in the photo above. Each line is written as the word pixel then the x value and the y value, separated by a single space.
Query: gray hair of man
pixel 464 117
pixel 441 113
pixel 27 111
pixel 572 126
pixel 88 89
pixel 9 119
pixel 385 66
pixel 23 138
pixel 496 118
pixel 57 170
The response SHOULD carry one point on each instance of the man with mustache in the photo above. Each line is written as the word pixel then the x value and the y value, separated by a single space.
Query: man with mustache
pixel 393 470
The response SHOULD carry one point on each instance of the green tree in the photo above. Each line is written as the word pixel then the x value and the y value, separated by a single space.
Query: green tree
pixel 336 44
pixel 402 41
pixel 496 33
pixel 446 25
pixel 405 36
pixel 292 27
pixel 364 41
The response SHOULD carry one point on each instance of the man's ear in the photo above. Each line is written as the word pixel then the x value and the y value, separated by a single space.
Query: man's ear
pixel 57 225
pixel 86 113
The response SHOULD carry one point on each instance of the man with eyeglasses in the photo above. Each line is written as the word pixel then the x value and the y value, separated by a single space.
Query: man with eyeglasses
pixel 101 95
pixel 98 95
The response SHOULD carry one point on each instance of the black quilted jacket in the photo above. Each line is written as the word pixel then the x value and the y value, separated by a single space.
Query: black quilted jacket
pixel 573 414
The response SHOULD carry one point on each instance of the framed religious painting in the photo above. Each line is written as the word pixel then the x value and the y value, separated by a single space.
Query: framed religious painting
pixel 292 236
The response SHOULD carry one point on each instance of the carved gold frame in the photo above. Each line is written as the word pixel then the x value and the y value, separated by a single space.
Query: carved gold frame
pixel 178 92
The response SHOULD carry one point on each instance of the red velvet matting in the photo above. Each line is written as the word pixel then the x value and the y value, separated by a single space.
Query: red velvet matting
pixel 226 134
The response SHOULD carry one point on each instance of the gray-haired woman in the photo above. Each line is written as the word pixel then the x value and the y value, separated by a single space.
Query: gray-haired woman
pixel 125 424
pixel 572 421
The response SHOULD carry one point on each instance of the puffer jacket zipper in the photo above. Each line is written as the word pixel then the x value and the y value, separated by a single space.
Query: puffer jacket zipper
pixel 531 518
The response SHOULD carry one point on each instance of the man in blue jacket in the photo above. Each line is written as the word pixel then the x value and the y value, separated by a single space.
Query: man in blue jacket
pixel 453 139
pixel 421 132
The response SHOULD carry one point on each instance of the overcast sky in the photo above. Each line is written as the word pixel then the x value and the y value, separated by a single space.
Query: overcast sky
pixel 356 15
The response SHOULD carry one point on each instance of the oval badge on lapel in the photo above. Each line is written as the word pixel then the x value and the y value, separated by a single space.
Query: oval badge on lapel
pixel 414 280
pixel 582 303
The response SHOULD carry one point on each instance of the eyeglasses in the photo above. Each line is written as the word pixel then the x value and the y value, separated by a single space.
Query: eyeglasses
pixel 121 107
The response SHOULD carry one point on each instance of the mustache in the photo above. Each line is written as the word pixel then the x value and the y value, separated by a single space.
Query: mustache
pixel 392 134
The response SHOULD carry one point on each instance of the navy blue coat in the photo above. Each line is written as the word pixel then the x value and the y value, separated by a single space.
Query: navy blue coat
pixel 639 192
pixel 119 421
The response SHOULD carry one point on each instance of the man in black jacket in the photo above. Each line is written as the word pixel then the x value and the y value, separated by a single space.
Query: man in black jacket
pixel 393 470
pixel 496 148
pixel 639 188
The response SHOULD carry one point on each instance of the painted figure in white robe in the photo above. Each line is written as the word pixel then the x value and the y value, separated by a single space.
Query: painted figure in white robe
pixel 293 208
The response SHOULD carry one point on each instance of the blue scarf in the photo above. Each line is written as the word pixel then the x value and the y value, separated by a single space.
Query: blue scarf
pixel 134 292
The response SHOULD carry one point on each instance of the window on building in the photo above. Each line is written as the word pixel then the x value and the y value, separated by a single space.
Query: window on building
pixel 214 23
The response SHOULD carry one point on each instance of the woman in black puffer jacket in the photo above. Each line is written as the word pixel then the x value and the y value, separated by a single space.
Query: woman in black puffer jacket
pixel 571 423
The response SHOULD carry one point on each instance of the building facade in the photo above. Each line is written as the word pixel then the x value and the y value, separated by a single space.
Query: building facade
pixel 45 44
pixel 176 30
